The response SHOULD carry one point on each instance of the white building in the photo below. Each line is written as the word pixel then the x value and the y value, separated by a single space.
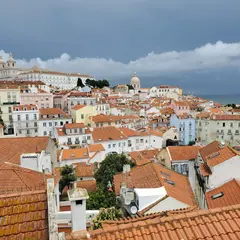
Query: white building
pixel 166 91
pixel 8 69
pixel 135 82
pixel 218 127
pixel 59 80
pixel 216 165
pixel 25 120
pixel 73 135
pixel 50 119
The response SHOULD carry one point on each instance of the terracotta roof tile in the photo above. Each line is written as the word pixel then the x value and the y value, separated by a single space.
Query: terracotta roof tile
pixel 90 185
pixel 107 134
pixel 209 149
pixel 223 223
pixel 84 170
pixel 76 153
pixel 183 152
pixel 24 216
pixel 226 117
pixel 221 156
pixel 96 148
pixel 79 106
pixel 75 125
pixel 14 178
pixel 12 148
pixel 53 111
pixel 153 175
pixel 230 196
pixel 25 107
pixel 205 170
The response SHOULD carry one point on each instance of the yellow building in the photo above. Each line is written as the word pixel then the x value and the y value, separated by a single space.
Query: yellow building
pixel 9 96
pixel 82 113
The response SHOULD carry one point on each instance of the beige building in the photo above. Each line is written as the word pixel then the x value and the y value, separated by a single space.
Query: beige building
pixel 218 127
pixel 9 96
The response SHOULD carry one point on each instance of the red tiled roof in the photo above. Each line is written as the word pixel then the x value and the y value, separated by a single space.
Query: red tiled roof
pixel 205 170
pixel 96 147
pixel 153 175
pixel 74 125
pixel 12 148
pixel 107 134
pixel 23 107
pixel 76 153
pixel 79 106
pixel 209 149
pixel 24 216
pixel 14 178
pixel 221 156
pixel 183 152
pixel 89 185
pixel 226 117
pixel 84 170
pixel 231 195
pixel 53 111
pixel 220 223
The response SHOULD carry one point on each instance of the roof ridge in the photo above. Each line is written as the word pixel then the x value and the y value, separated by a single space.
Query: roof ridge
pixel 170 219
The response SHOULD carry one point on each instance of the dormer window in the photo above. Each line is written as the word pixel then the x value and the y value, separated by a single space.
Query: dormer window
pixel 16 109
pixel 25 109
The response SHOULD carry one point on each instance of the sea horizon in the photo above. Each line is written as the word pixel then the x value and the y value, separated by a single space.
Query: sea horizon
pixel 222 98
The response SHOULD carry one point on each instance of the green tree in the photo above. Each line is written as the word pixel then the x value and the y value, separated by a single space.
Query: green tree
pixel 130 87
pixel 67 177
pixel 233 105
pixel 101 199
pixel 110 166
pixel 97 83
pixel 80 83
pixel 106 214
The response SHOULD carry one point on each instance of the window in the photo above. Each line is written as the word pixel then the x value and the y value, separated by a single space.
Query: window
pixel 124 144
pixel 56 123
pixel 50 133
pixel 27 125
pixel 9 109
pixel 36 130
pixel 44 124
pixel 231 124
pixel 114 145
pixel 27 117
pixel 119 144
pixel 88 137
pixel 223 124
pixel 50 124
pixel 35 116
pixel 18 117
pixel 28 132
pixel 141 140
pixel 20 131
pixel 45 133
pixel 35 124
pixel 82 116
pixel 61 123
pixel 109 145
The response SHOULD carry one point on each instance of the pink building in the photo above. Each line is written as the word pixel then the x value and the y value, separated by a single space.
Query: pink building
pixel 36 96
pixel 60 100
pixel 180 107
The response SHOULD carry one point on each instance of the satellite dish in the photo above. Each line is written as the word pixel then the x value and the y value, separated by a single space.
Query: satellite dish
pixel 133 209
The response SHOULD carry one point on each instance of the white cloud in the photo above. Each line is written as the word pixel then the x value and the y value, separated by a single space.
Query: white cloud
pixel 209 56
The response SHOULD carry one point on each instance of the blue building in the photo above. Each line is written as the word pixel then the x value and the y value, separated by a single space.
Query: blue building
pixel 186 127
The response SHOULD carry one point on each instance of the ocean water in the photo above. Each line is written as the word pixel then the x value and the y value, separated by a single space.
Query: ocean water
pixel 223 99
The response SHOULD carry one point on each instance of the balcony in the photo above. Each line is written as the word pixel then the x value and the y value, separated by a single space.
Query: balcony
pixel 229 133
pixel 10 103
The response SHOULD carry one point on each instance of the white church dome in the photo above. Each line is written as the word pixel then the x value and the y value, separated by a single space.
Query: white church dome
pixel 135 79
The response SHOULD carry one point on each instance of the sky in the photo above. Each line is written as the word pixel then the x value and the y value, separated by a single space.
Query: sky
pixel 191 43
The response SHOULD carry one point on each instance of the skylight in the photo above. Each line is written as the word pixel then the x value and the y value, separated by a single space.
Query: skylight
pixel 213 155
pixel 218 195
pixel 169 182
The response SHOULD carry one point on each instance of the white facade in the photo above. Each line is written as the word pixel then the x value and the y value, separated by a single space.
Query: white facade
pixel 59 80
pixel 25 120
pixel 166 92
pixel 208 130
pixel 40 162
pixel 79 100
pixel 47 126
pixel 8 69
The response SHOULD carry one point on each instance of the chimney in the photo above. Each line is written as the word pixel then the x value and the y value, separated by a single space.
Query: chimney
pixel 77 197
